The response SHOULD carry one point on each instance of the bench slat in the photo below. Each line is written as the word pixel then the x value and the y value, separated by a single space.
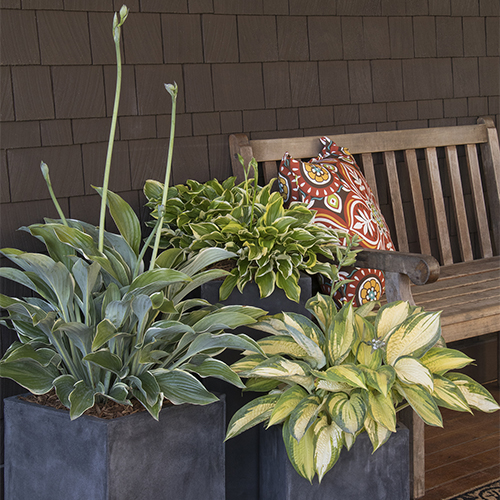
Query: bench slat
pixel 459 204
pixel 438 205
pixel 418 201
pixel 397 204
pixel 394 140
pixel 478 198
pixel 369 172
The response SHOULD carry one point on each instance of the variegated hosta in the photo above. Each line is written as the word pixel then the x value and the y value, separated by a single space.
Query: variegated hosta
pixel 350 371
pixel 273 244
pixel 102 327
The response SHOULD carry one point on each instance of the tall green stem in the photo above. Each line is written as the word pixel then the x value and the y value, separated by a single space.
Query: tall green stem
pixel 172 90
pixel 116 36
pixel 46 176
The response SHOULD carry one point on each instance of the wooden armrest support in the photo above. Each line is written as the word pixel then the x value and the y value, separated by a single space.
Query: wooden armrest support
pixel 420 268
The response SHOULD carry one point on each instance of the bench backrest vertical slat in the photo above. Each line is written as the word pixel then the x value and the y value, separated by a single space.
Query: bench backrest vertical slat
pixel 397 203
pixel 369 172
pixel 418 201
pixel 478 201
pixel 490 152
pixel 442 233
pixel 269 169
pixel 457 196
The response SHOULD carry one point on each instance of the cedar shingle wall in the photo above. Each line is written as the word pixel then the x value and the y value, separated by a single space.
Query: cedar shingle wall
pixel 285 67
pixel 269 68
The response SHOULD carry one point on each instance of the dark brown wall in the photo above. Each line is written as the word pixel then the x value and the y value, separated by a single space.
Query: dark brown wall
pixel 266 67
pixel 269 68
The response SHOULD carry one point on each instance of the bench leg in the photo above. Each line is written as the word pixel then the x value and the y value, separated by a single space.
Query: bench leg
pixel 417 451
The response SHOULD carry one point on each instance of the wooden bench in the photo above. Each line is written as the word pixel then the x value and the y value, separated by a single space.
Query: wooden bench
pixel 439 192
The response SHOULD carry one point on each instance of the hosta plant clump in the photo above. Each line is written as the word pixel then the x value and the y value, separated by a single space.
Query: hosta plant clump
pixel 272 244
pixel 347 372
pixel 100 325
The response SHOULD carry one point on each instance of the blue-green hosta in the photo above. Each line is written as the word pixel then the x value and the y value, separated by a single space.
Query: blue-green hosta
pixel 273 244
pixel 102 327
pixel 348 372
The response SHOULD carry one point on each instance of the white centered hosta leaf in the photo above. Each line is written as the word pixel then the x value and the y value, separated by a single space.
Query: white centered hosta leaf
pixel 411 371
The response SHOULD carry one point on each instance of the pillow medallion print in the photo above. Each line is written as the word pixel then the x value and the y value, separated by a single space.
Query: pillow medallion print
pixel 333 186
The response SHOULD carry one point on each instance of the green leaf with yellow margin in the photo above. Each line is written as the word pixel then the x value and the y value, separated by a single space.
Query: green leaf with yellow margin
pixel 448 395
pixel 287 403
pixel 416 335
pixel 422 402
pixel 348 411
pixel 381 409
pixel 304 415
pixel 253 413
pixel 475 394
pixel 377 433
pixel 328 441
pixel 300 454
pixel 411 371
pixel 442 359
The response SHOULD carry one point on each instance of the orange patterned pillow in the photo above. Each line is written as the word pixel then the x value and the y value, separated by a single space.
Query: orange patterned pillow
pixel 333 185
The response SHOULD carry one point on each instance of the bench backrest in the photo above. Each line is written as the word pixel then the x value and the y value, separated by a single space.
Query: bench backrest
pixel 439 188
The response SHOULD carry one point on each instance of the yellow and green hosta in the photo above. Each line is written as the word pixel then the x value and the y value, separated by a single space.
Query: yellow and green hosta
pixel 350 371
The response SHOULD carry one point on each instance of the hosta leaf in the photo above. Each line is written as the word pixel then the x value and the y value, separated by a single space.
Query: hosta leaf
pixel 26 351
pixel 153 409
pixel 475 394
pixel 422 402
pixel 304 415
pixel 283 369
pixel 299 327
pixel 125 219
pixel 323 309
pixel 287 403
pixel 106 360
pixel 119 393
pixel 416 335
pixel 64 386
pixel 253 413
pixel 328 440
pixel 447 394
pixel 348 411
pixel 228 285
pixel 78 334
pixel 411 371
pixel 247 363
pixel 181 387
pixel 380 379
pixel 282 344
pixel 29 374
pixel 389 316
pixel 222 319
pixel 289 285
pixel 381 409
pixel 155 280
pixel 207 341
pixel 377 433
pixel 257 384
pixel 300 454
pixel 215 368
pixel 147 384
pixel 441 359
pixel 348 374
pixel 266 283
pixel 304 333
pixel 81 398
pixel 341 334
pixel 333 386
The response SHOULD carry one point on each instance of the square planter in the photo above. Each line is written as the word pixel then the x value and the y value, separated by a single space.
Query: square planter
pixel 50 457
pixel 358 474
pixel 242 452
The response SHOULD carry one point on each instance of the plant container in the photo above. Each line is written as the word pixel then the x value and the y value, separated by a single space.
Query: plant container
pixel 358 474
pixel 134 457
pixel 242 452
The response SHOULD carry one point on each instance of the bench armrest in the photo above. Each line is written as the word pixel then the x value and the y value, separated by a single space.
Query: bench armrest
pixel 420 268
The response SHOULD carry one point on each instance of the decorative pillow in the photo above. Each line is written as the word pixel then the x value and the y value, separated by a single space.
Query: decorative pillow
pixel 333 185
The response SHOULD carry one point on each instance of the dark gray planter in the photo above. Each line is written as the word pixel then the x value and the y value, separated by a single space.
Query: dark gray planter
pixel 242 452
pixel 49 457
pixel 358 474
